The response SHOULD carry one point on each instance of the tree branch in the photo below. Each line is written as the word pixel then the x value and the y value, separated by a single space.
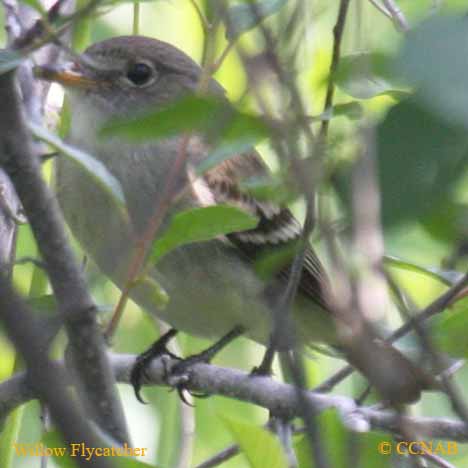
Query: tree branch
pixel 270 394
pixel 44 378
pixel 75 304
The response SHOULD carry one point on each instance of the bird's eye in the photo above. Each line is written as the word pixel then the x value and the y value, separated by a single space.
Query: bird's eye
pixel 140 73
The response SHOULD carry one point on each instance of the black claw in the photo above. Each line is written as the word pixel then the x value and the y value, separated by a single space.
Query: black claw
pixel 260 371
pixel 265 367
pixel 180 390
pixel 181 370
pixel 139 371
pixel 136 377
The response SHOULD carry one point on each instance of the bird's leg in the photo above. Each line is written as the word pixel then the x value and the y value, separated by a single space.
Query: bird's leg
pixel 264 369
pixel 179 374
pixel 157 349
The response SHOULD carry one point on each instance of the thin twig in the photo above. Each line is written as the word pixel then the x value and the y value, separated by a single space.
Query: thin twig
pixel 143 243
pixel 337 37
pixel 136 18
pixel 435 307
pixel 381 8
pixel 397 14
pixel 221 457
pixel 435 459
pixel 203 21
pixel 162 206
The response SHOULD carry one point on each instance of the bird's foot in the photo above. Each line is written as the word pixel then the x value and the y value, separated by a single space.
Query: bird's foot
pixel 265 367
pixel 180 373
pixel 139 370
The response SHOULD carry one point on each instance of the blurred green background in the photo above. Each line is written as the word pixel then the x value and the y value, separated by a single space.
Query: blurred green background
pixel 157 425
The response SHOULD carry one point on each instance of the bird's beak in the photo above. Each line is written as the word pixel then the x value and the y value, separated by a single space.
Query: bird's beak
pixel 69 75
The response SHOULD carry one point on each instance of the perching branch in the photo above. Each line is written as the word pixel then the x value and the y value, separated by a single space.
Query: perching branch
pixel 277 397
pixel 75 304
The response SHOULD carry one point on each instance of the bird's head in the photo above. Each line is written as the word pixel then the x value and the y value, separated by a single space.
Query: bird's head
pixel 125 75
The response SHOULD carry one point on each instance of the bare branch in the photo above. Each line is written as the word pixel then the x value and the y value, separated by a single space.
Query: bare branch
pixel 337 37
pixel 45 378
pixel 78 310
pixel 434 308
pixel 398 16
pixel 275 396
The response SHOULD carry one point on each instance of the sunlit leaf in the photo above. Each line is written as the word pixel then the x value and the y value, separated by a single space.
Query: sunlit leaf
pixel 449 329
pixel 419 160
pixel 243 17
pixel 434 59
pixel 9 60
pixel 201 224
pixel 261 448
pixel 92 166
pixel 446 277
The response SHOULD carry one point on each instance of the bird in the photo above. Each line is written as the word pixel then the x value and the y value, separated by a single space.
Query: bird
pixel 214 290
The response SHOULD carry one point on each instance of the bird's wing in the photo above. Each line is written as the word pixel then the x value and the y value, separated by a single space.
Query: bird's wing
pixel 277 228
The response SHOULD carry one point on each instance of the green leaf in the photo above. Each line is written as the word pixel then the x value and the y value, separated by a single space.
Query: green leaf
pixel 277 188
pixel 154 292
pixel 59 449
pixel 81 31
pixel 362 77
pixel 232 132
pixel 92 166
pixel 352 110
pixel 339 447
pixel 9 60
pixel 334 442
pixel 434 59
pixel 261 448
pixel 201 224
pixel 450 330
pixel 448 278
pixel 243 17
pixel 449 220
pixel 420 158
pixel 9 431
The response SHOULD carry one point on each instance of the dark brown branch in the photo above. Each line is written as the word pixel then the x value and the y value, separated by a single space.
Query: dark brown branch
pixel 337 36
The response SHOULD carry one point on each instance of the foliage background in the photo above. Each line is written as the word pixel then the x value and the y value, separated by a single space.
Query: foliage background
pixel 156 425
